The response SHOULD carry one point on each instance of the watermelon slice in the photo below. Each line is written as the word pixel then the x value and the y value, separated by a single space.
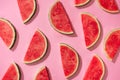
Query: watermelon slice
pixel 95 69
pixel 81 2
pixel 7 32
pixel 37 48
pixel 12 73
pixel 91 28
pixel 27 9
pixel 109 5
pixel 59 19
pixel 42 74
pixel 70 60
pixel 112 44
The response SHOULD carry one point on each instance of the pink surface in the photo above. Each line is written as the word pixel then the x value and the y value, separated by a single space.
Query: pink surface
pixel 52 60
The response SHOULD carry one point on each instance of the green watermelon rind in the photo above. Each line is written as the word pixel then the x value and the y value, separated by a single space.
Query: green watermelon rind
pixel 44 67
pixel 99 27
pixel 63 32
pixel 45 50
pixel 77 5
pixel 103 66
pixel 17 69
pixel 109 11
pixel 13 29
pixel 106 40
pixel 33 12
pixel 77 56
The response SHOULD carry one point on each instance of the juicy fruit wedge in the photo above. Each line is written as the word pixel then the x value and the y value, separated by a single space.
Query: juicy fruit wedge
pixel 27 9
pixel 112 44
pixel 37 48
pixel 95 69
pixel 109 5
pixel 42 74
pixel 59 19
pixel 12 73
pixel 70 60
pixel 81 2
pixel 91 28
pixel 7 32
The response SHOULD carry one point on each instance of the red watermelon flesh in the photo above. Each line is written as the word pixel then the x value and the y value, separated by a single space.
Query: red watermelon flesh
pixel 7 32
pixel 112 44
pixel 70 60
pixel 42 74
pixel 12 73
pixel 37 48
pixel 95 69
pixel 27 9
pixel 109 5
pixel 91 29
pixel 59 19
pixel 81 2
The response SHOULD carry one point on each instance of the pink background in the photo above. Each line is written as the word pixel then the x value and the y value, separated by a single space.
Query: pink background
pixel 9 10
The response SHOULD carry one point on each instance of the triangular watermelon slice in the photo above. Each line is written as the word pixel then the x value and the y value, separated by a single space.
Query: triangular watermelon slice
pixel 12 73
pixel 70 60
pixel 27 9
pixel 81 2
pixel 91 28
pixel 59 19
pixel 112 44
pixel 7 32
pixel 42 74
pixel 109 5
pixel 95 70
pixel 37 48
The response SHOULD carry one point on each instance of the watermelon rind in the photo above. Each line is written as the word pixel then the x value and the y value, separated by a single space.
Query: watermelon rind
pixel 77 5
pixel 77 56
pixel 109 11
pixel 40 71
pixel 98 28
pixel 63 32
pixel 103 66
pixel 17 69
pixel 33 12
pixel 13 29
pixel 106 40
pixel 45 50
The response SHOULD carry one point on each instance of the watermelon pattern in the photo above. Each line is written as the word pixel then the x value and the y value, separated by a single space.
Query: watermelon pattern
pixel 52 57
